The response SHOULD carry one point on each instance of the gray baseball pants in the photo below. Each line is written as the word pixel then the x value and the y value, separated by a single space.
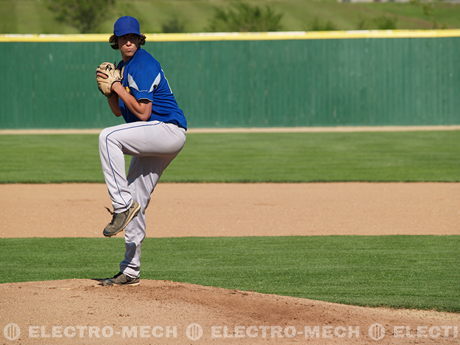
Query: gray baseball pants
pixel 153 146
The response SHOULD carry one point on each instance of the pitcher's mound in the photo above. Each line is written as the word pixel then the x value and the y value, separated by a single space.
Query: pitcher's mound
pixel 164 312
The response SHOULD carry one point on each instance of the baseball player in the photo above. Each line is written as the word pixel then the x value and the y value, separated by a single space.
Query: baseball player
pixel 154 133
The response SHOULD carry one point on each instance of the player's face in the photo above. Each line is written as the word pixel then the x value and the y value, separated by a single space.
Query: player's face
pixel 128 45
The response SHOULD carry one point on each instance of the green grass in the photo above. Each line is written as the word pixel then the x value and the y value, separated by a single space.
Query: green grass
pixel 32 16
pixel 250 157
pixel 397 271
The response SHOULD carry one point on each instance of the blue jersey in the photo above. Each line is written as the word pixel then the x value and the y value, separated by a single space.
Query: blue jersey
pixel 144 79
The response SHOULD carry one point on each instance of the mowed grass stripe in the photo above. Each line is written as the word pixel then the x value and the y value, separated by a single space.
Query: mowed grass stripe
pixel 397 271
pixel 250 157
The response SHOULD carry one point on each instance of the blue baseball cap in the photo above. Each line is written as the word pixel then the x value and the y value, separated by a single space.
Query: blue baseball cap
pixel 126 25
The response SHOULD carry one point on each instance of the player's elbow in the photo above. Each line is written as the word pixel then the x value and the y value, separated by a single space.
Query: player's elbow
pixel 144 116
pixel 145 111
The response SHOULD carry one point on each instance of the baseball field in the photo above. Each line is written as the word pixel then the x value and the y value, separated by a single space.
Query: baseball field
pixel 306 237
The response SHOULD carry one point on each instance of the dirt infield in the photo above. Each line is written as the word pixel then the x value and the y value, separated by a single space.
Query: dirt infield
pixel 163 312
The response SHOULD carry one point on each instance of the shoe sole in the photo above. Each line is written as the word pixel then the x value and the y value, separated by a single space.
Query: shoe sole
pixel 127 284
pixel 128 220
pixel 130 284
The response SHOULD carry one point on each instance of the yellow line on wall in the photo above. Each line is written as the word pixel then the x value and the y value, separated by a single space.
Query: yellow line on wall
pixel 241 36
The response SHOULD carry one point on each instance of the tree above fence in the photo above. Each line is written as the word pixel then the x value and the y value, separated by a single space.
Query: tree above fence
pixel 84 15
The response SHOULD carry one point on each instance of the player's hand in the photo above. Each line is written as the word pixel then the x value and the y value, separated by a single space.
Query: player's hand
pixel 106 75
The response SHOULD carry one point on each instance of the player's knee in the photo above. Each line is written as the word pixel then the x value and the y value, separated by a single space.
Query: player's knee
pixel 103 136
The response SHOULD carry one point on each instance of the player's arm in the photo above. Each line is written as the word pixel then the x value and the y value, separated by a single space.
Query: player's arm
pixel 113 104
pixel 142 109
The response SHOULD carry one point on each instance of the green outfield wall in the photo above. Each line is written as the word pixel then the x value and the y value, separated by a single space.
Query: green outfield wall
pixel 341 81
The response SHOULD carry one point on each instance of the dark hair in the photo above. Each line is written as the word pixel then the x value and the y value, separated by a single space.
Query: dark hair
pixel 113 40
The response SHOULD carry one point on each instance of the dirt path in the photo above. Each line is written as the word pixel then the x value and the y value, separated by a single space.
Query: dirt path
pixel 162 312
pixel 176 210
pixel 255 130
